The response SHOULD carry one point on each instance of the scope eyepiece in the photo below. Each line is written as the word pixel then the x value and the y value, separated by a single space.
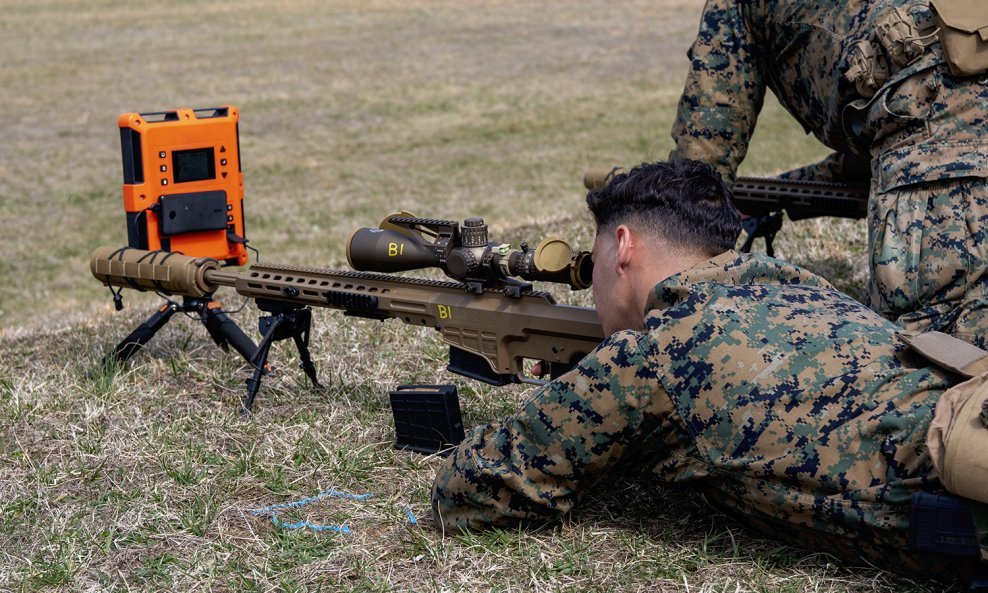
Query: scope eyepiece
pixel 582 271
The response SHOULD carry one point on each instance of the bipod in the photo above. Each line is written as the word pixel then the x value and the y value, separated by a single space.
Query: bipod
pixel 761 226
pixel 287 320
pixel 223 330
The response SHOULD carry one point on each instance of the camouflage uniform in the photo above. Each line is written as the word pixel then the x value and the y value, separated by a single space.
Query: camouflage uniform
pixel 791 403
pixel 923 130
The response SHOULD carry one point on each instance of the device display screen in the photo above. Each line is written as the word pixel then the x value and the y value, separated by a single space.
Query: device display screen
pixel 193 165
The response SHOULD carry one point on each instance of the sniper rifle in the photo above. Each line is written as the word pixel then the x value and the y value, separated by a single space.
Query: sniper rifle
pixel 492 321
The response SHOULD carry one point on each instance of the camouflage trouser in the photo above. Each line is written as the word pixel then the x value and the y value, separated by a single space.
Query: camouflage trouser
pixel 928 211
pixel 929 267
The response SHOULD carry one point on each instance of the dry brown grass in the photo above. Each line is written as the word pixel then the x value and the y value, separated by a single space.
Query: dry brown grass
pixel 143 478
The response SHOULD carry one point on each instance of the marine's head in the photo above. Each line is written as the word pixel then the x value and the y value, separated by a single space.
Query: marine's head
pixel 652 222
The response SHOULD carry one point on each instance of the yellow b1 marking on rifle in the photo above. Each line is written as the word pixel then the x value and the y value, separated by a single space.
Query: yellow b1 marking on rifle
pixel 396 249
pixel 445 311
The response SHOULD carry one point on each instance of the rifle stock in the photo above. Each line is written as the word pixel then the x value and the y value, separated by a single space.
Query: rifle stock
pixel 490 333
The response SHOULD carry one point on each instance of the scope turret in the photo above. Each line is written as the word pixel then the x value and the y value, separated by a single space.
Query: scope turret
pixel 465 253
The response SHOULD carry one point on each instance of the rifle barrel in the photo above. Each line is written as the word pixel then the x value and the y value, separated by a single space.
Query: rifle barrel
pixel 759 196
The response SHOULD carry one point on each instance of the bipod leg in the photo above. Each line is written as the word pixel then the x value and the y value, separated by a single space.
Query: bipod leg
pixel 260 360
pixel 221 328
pixel 288 320
pixel 303 324
pixel 761 226
pixel 143 334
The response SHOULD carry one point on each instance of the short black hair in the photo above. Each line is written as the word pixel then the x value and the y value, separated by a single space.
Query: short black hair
pixel 684 202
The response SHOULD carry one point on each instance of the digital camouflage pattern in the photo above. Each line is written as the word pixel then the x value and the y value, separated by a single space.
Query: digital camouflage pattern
pixel 793 405
pixel 924 131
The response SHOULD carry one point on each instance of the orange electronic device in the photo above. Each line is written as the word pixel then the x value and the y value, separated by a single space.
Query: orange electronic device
pixel 183 188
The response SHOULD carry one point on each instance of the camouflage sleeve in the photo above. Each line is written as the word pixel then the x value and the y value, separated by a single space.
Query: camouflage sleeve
pixel 570 434
pixel 723 93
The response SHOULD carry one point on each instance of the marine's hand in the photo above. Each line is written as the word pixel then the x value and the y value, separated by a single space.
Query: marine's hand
pixel 540 369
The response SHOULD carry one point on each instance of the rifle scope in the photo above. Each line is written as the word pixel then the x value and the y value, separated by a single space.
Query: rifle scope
pixel 404 242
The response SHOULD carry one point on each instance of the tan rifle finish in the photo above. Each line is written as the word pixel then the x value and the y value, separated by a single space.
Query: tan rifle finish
pixel 502 330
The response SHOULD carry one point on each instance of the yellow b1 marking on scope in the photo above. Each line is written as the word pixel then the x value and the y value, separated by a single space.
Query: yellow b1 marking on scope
pixel 445 311
pixel 395 249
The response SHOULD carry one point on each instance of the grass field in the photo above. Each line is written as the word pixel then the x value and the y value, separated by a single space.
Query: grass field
pixel 142 478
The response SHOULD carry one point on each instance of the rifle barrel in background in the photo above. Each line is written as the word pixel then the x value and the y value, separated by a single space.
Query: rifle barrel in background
pixel 761 196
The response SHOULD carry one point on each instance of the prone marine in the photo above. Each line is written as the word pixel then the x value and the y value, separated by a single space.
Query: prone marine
pixel 796 409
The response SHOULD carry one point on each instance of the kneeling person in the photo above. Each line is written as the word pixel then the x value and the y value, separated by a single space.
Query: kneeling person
pixel 794 406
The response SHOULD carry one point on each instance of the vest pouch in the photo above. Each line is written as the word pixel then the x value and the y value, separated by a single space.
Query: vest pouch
pixel 963 34
pixel 957 438
pixel 868 69
pixel 965 458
